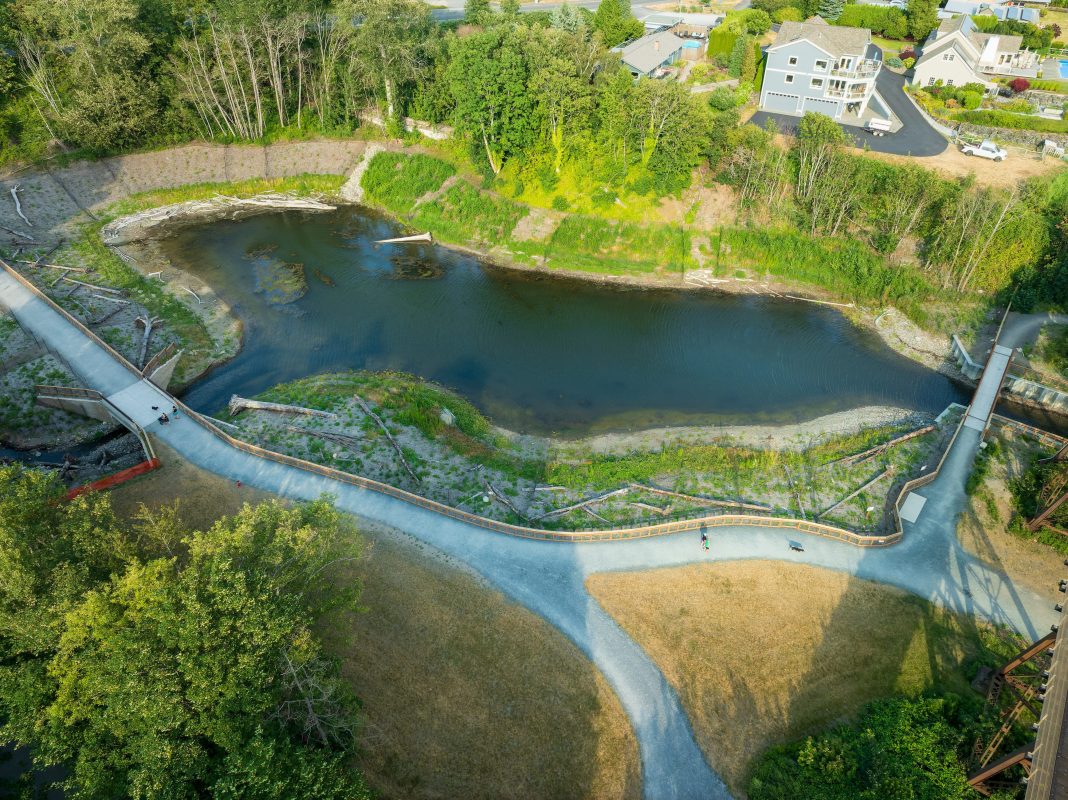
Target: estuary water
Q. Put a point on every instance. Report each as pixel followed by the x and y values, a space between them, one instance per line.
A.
pixel 536 353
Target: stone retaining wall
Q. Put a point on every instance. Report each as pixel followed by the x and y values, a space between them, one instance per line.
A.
pixel 52 196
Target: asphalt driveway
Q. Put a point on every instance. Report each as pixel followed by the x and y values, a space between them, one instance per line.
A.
pixel 916 138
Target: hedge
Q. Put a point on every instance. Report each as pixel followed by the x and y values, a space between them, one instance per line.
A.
pixel 1004 119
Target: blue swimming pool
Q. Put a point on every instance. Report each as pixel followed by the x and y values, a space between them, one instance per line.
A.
pixel 1064 68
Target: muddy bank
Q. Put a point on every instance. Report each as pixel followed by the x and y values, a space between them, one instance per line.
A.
pixel 797 436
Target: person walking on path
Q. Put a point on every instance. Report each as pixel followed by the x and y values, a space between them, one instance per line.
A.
pixel 704 540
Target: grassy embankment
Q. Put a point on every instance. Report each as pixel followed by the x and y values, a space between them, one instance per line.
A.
pixel 464 694
pixel 467 216
pixel 763 653
pixel 797 478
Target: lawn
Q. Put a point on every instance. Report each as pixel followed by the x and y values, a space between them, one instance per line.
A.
pixel 764 652
pixel 464 693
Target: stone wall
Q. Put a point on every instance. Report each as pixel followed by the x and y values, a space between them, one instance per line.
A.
pixel 51 197
pixel 1032 139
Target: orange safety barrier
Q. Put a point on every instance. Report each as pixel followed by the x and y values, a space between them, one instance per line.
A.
pixel 114 480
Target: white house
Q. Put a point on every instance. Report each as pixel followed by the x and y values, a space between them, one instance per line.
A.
pixel 957 53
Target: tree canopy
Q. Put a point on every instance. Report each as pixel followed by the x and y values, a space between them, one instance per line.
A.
pixel 154 662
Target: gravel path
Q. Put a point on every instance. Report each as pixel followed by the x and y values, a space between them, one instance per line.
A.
pixel 549 577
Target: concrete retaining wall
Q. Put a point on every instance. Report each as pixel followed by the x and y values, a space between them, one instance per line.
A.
pixel 1020 388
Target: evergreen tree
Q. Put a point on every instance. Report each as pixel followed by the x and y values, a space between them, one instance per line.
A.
pixel 737 58
pixel 923 18
pixel 748 67
pixel 566 17
pixel 831 10
pixel 616 22
pixel 510 8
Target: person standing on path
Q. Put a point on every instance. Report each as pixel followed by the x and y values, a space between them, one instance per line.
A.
pixel 704 540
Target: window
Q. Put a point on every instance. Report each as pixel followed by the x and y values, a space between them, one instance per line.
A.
pixel 793 61
pixel 817 83
pixel 821 66
pixel 947 56
pixel 949 82
pixel 930 81
pixel 789 78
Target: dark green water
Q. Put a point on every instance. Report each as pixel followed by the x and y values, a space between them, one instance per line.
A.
pixel 536 354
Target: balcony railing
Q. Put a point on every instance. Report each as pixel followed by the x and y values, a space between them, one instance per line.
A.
pixel 848 94
pixel 866 68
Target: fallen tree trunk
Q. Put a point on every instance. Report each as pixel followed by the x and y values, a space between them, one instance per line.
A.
pixel 848 497
pixel 18 205
pixel 702 500
pixel 647 507
pixel 92 286
pixel 400 453
pixel 499 496
pixel 239 404
pixel 857 458
pixel 148 323
pixel 337 438
pixel 583 503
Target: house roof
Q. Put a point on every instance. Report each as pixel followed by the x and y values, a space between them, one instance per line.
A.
pixel 837 40
pixel 668 19
pixel 649 52
pixel 964 25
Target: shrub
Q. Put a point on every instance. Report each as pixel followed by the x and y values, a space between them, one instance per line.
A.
pixel 907 53
pixel 788 14
pixel 397 180
pixel 721 42
pixel 1018 106
pixel 560 203
pixel 895 62
pixel 971 100
pixel 1019 85
pixel 888 22
pixel 722 99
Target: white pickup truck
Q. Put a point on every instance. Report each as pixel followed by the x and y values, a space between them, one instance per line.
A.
pixel 985 150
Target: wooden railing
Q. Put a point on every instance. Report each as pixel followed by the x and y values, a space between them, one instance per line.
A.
pixel 610 534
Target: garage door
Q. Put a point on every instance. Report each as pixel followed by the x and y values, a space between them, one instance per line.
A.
pixel 828 107
pixel 783 103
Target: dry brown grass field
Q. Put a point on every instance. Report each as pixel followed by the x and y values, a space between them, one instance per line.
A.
pixel 464 694
pixel 763 652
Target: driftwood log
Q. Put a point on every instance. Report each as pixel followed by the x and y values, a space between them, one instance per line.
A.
pixel 871 452
pixel 597 498
pixel 702 500
pixel 239 404
pixel 337 438
pixel 378 420
pixel 106 289
pixel 18 205
pixel 499 496
pixel 148 323
pixel 851 495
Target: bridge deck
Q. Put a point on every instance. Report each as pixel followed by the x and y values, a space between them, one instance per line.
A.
pixel 986 396
pixel 1049 767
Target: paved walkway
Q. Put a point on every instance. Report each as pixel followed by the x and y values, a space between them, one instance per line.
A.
pixel 548 577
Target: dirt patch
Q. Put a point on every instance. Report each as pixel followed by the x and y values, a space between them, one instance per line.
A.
pixel 764 653
pixel 983 528
pixel 464 693
pixel 1019 166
